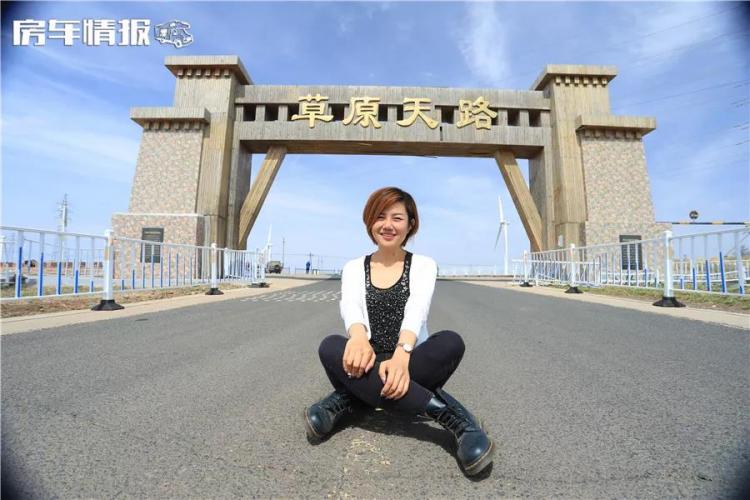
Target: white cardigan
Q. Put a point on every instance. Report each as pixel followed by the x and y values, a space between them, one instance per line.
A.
pixel 422 276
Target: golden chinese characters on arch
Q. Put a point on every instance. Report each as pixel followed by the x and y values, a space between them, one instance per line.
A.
pixel 364 111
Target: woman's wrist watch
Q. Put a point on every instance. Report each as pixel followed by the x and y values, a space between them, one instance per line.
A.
pixel 406 346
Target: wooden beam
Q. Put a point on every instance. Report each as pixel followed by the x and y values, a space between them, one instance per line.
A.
pixel 521 195
pixel 257 195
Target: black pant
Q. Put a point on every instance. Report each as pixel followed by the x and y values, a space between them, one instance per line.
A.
pixel 431 365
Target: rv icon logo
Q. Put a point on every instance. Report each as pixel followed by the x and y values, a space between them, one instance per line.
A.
pixel 173 32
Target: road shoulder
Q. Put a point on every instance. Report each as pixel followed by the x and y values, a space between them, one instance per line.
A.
pixel 21 324
pixel 725 318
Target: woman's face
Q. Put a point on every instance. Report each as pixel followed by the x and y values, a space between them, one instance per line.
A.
pixel 391 227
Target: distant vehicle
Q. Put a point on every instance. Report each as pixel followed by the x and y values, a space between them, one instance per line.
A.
pixel 9 279
pixel 274 266
pixel 174 32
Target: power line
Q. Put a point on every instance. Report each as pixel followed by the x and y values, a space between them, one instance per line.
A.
pixel 706 73
pixel 660 174
pixel 692 103
pixel 679 141
pixel 660 55
pixel 627 42
pixel 721 85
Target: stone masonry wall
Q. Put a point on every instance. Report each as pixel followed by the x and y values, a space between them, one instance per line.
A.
pixel 618 193
pixel 177 229
pixel 166 176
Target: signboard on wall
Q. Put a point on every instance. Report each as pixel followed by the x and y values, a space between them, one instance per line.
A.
pixel 152 251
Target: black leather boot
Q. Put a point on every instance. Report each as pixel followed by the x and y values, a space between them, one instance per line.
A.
pixel 474 449
pixel 321 418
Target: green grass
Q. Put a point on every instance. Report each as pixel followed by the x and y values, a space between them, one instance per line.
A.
pixel 702 300
pixel 33 290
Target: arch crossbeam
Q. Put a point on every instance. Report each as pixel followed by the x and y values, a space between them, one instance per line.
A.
pixel 522 199
pixel 193 173
pixel 257 195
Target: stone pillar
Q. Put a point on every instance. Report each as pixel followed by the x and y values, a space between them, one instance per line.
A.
pixel 239 186
pixel 618 191
pixel 167 171
pixel 540 185
pixel 212 82
pixel 573 90
pixel 184 180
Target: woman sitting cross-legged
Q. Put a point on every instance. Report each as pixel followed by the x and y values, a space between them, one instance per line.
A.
pixel 388 360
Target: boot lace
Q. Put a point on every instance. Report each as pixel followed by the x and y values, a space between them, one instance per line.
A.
pixel 337 403
pixel 454 420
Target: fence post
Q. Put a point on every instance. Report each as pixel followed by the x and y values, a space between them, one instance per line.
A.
pixel 668 299
pixel 108 303
pixel 526 283
pixel 5 272
pixel 573 286
pixel 261 259
pixel 739 266
pixel 264 263
pixel 214 290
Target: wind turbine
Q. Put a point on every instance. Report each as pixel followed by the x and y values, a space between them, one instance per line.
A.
pixel 503 226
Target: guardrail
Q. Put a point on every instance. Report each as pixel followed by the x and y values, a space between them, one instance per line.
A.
pixel 449 270
pixel 36 263
pixel 711 262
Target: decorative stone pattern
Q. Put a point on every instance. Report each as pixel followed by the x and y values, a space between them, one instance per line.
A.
pixel 177 229
pixel 612 134
pixel 609 232
pixel 618 192
pixel 583 81
pixel 167 158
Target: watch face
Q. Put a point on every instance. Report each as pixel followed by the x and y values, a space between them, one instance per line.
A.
pixel 408 347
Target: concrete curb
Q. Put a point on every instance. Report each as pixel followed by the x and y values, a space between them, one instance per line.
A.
pixel 63 318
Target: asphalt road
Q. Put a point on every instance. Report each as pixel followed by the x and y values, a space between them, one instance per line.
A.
pixel 583 401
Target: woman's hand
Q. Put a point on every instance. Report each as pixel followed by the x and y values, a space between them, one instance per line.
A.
pixel 359 356
pixel 394 373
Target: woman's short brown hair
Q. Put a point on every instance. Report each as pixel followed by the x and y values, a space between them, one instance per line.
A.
pixel 381 200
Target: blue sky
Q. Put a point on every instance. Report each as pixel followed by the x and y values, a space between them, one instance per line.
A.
pixel 65 125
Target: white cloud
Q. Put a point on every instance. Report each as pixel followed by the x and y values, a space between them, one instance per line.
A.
pixel 44 125
pixel 668 36
pixel 112 70
pixel 345 22
pixel 484 45
pixel 670 26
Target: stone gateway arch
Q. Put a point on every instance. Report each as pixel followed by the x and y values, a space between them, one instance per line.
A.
pixel 588 182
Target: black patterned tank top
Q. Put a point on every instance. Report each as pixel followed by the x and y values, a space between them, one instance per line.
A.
pixel 385 308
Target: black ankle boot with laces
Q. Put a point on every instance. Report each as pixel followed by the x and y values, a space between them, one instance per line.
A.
pixel 474 449
pixel 321 418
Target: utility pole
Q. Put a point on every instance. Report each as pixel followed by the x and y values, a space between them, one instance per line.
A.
pixel 62 211
pixel 283 252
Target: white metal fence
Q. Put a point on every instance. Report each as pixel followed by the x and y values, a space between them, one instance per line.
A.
pixel 39 263
pixel 308 263
pixel 450 270
pixel 710 262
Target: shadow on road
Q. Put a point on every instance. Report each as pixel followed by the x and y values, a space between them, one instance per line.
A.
pixel 382 422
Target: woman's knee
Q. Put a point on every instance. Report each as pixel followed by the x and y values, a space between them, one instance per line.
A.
pixel 332 347
pixel 454 342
